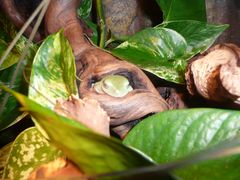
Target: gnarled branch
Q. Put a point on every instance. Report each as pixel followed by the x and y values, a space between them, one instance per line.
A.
pixel 215 75
pixel 93 64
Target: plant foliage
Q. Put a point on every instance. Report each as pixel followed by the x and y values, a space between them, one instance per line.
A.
pixel 173 135
pixel 92 152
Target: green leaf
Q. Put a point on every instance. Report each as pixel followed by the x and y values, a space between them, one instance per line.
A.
pixel 28 151
pixel 4 153
pixel 7 33
pixel 85 9
pixel 183 10
pixel 198 35
pixel 172 135
pixel 92 152
pixel 8 30
pixel 53 71
pixel 84 12
pixel 93 27
pixel 12 57
pixel 10 111
pixel 157 50
pixel 166 49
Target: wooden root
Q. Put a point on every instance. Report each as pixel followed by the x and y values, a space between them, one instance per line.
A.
pixel 81 110
pixel 93 64
pixel 215 75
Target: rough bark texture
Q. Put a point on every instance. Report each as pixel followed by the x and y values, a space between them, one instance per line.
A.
pixel 215 75
pixel 225 12
pixel 124 17
pixel 127 17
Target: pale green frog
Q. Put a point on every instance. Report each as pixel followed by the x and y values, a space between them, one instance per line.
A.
pixel 113 85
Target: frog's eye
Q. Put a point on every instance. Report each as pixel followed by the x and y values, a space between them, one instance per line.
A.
pixel 98 87
pixel 113 85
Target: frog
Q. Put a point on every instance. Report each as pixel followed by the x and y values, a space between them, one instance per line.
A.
pixel 113 85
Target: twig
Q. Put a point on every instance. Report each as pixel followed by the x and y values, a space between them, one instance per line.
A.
pixel 43 5
pixel 20 33
pixel 102 23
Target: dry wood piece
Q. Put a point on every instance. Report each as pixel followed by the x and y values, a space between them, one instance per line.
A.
pixel 94 64
pixel 175 99
pixel 57 169
pixel 95 67
pixel 125 17
pixel 86 111
pixel 123 129
pixel 215 75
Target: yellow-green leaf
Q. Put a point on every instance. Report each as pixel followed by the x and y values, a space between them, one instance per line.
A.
pixel 92 152
pixel 53 71
pixel 28 151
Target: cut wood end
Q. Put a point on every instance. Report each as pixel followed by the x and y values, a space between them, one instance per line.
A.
pixel 216 74
pixel 87 111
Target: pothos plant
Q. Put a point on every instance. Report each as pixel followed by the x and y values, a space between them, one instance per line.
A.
pixel 158 146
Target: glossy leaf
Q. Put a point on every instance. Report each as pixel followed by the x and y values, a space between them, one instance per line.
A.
pixel 183 9
pixel 7 33
pixel 28 151
pixel 92 152
pixel 172 135
pixel 85 9
pixel 53 71
pixel 84 12
pixel 10 110
pixel 12 57
pixel 93 27
pixel 157 50
pixel 198 35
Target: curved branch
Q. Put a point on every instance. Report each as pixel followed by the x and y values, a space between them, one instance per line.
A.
pixel 215 75
pixel 93 64
pixel 62 14
pixel 144 98
pixel 9 8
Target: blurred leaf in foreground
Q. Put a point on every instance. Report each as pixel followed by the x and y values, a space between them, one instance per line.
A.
pixel 93 153
pixel 172 135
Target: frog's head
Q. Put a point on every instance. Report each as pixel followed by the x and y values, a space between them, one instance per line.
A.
pixel 113 85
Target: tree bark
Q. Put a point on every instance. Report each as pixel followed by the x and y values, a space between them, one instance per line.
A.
pixel 225 12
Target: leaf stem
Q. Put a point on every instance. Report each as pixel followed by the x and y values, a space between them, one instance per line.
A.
pixel 101 23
